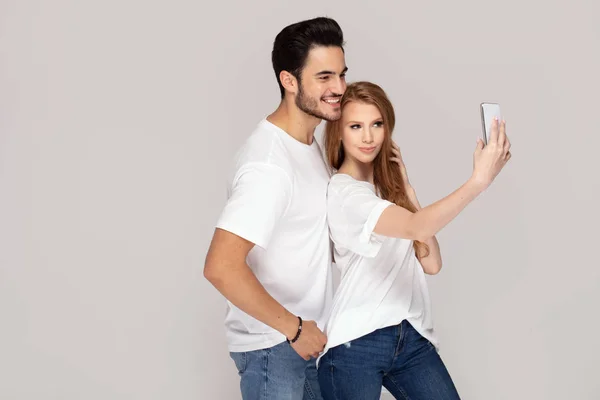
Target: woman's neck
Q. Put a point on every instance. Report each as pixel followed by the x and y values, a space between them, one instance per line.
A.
pixel 357 170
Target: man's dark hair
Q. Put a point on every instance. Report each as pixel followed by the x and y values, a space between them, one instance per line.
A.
pixel 293 43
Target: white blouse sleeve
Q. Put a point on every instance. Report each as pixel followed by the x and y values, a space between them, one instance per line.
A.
pixel 353 211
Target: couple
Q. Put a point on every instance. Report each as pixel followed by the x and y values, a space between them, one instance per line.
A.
pixel 271 254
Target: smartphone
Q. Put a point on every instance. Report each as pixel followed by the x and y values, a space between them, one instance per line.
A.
pixel 488 112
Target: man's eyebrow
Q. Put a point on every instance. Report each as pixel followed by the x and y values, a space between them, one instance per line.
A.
pixel 322 73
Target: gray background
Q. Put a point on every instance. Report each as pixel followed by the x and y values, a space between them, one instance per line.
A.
pixel 119 119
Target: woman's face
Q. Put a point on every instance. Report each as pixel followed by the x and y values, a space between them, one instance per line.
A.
pixel 362 131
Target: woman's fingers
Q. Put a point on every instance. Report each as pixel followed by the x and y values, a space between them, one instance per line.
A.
pixel 494 131
pixel 507 145
pixel 501 133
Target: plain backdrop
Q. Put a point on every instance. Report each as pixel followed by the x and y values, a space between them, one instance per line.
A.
pixel 119 121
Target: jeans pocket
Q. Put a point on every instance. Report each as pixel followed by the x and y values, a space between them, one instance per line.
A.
pixel 240 360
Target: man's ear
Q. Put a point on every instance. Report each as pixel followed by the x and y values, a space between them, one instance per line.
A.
pixel 289 82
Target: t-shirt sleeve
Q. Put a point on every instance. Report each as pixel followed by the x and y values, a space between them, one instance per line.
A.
pixel 258 198
pixel 353 213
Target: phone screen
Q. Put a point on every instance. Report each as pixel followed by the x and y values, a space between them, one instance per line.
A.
pixel 488 112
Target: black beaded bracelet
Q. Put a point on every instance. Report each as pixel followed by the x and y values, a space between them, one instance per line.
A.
pixel 297 333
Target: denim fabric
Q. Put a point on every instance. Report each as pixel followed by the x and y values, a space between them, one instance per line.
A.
pixel 276 373
pixel 396 357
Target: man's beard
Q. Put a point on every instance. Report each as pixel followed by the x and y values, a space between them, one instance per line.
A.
pixel 311 107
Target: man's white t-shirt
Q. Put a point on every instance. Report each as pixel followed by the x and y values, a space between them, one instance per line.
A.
pixel 382 281
pixel 277 199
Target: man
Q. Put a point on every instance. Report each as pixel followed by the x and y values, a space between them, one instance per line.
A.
pixel 270 254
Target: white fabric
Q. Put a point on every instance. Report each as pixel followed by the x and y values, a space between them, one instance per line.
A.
pixel 382 281
pixel 277 200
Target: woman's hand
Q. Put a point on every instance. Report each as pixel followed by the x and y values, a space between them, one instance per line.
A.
pixel 488 161
pixel 397 158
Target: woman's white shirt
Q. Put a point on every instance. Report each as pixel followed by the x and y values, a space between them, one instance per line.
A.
pixel 382 281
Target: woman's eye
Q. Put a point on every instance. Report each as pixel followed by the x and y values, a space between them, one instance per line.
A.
pixel 378 124
pixel 355 126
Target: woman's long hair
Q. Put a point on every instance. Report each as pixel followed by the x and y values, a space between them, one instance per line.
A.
pixel 386 174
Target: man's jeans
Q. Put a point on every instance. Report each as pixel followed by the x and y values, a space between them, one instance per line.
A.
pixel 397 357
pixel 276 373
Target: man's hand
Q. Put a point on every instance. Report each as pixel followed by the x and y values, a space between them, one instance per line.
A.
pixel 311 341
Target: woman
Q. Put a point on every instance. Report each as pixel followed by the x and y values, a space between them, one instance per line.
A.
pixel 380 331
